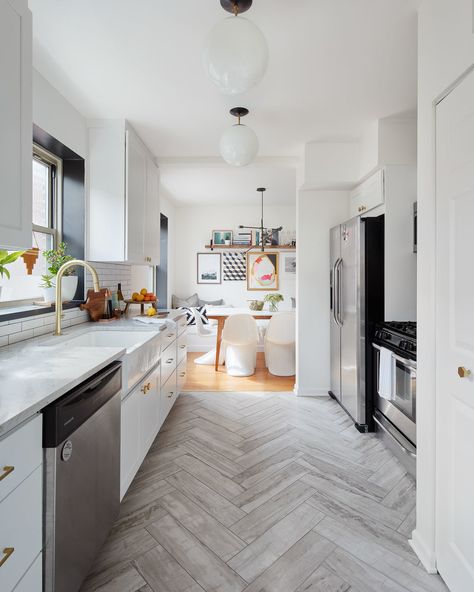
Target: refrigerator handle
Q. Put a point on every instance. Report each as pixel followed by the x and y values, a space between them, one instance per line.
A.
pixel 338 312
pixel 335 292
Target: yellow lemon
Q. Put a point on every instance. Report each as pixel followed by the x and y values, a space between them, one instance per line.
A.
pixel 151 312
pixel 144 291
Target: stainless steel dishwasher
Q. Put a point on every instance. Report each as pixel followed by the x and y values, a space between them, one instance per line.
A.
pixel 81 441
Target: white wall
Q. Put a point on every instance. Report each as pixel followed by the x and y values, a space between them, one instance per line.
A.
pixel 194 226
pixel 317 213
pixel 53 114
pixel 446 50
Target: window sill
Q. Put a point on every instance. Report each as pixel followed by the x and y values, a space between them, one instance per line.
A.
pixel 31 310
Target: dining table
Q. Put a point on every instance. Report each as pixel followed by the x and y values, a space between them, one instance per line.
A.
pixel 222 313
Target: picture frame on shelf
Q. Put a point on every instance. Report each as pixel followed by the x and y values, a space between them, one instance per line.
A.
pixel 262 271
pixel 222 237
pixel 209 268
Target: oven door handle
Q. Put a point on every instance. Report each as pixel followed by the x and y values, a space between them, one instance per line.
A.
pixel 410 363
pixel 410 453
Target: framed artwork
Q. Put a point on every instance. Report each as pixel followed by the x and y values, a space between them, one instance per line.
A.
pixel 234 266
pixel 222 237
pixel 209 268
pixel 262 271
pixel 290 264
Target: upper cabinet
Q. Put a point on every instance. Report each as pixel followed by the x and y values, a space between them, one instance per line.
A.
pixel 368 195
pixel 16 138
pixel 123 211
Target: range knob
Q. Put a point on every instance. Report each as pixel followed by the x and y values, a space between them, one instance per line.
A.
pixel 407 345
pixel 381 334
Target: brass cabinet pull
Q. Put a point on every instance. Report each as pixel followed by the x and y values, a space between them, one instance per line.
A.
pixel 182 346
pixel 171 393
pixel 7 552
pixel 463 372
pixel 170 360
pixel 170 335
pixel 6 471
pixel 183 374
pixel 146 387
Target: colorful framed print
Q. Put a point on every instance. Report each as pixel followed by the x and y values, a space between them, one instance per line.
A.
pixel 222 237
pixel 262 271
pixel 209 269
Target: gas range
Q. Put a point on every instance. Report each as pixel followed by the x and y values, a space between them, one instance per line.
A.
pixel 398 336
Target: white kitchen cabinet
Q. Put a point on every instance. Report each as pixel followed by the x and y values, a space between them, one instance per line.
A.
pixel 130 441
pixel 150 409
pixel 32 581
pixel 368 195
pixel 16 139
pixel 123 210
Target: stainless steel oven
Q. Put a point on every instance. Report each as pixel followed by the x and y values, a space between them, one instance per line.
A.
pixel 396 416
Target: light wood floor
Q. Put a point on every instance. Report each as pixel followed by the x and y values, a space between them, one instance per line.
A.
pixel 205 378
pixel 263 492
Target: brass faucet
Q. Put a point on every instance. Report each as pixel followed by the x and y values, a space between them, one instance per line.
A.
pixel 59 276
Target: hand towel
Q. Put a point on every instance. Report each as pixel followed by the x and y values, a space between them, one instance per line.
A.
pixel 385 374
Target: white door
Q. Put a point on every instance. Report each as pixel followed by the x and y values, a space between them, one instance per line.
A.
pixel 455 336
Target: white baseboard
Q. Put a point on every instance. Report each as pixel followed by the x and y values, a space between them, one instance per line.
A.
pixel 205 348
pixel 426 555
pixel 304 392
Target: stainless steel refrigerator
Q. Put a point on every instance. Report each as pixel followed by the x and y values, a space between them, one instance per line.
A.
pixel 357 303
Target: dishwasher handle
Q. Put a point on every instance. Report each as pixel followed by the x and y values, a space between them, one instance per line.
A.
pixel 65 415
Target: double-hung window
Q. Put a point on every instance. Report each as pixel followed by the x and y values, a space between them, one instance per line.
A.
pixel 25 285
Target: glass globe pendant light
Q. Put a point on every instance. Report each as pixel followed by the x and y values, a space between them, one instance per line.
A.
pixel 239 143
pixel 236 53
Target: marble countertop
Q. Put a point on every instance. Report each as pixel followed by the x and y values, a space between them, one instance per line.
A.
pixel 32 375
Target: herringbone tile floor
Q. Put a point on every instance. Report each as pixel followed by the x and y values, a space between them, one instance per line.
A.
pixel 263 492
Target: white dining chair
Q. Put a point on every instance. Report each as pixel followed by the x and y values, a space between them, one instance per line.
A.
pixel 279 344
pixel 207 359
pixel 239 341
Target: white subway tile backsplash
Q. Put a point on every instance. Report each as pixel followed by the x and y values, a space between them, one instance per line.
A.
pixel 3 340
pixel 9 329
pixel 31 324
pixel 16 337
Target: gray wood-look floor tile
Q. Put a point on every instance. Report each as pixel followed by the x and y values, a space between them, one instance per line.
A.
pixel 265 492
pixel 202 564
pixel 323 579
pixel 265 489
pixel 265 516
pixel 205 527
pixel 163 572
pixel 215 504
pixel 294 567
pixel 266 549
pixel 210 476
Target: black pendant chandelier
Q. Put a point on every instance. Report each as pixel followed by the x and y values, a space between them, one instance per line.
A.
pixel 266 234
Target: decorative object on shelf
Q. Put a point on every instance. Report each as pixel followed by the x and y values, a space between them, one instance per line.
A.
pixel 220 237
pixel 273 300
pixel 262 271
pixel 55 259
pixel 265 236
pixel 256 304
pixel 236 52
pixel 239 143
pixel 209 268
pixel 290 264
pixel 48 287
pixel 30 257
pixel 234 266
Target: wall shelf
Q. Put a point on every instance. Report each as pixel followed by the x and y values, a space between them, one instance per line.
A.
pixel 253 247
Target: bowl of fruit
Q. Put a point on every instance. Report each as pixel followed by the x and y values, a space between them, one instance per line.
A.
pixel 143 297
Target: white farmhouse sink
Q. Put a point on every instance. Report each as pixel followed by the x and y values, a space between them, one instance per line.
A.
pixel 143 349
pixel 127 339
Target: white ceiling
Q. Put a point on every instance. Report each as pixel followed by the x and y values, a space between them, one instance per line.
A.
pixel 215 183
pixel 334 65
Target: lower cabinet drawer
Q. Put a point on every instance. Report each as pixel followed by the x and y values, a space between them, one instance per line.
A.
pixel 182 323
pixel 181 375
pixel 169 394
pixel 182 347
pixel 20 453
pixel 21 529
pixel 32 581
pixel 168 363
pixel 167 338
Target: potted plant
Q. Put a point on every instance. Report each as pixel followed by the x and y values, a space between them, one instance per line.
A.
pixel 5 259
pixel 274 299
pixel 48 287
pixel 56 258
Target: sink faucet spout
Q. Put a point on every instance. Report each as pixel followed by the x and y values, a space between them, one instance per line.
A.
pixel 59 276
